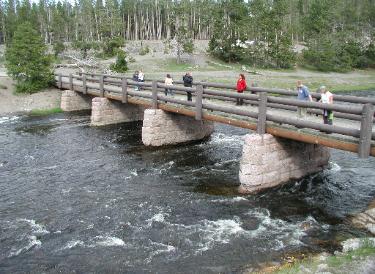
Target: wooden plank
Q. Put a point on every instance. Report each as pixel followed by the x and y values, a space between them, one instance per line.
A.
pixel 198 102
pixel 154 94
pixel 84 85
pixel 59 84
pixel 262 113
pixel 71 81
pixel 124 87
pixel 101 85
pixel 364 145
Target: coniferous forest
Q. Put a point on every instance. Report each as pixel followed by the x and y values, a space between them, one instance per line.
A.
pixel 337 35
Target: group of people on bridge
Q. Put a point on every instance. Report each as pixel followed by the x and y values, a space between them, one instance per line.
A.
pixel 303 92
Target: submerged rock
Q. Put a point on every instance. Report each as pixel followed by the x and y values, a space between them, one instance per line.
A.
pixel 366 219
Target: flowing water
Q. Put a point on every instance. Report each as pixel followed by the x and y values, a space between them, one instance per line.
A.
pixel 81 199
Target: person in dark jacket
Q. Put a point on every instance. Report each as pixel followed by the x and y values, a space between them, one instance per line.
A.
pixel 135 79
pixel 241 86
pixel 188 82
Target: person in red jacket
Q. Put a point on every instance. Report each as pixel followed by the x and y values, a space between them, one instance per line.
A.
pixel 241 86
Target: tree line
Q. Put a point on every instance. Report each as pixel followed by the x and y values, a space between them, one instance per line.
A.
pixel 336 34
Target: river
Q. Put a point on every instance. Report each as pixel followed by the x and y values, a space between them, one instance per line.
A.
pixel 81 199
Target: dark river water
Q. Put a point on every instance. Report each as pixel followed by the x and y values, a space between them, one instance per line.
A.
pixel 81 199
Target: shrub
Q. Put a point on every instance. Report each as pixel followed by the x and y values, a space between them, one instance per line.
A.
pixel 120 65
pixel 26 60
pixel 144 50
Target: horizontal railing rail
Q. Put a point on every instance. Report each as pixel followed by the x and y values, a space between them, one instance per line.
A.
pixel 337 97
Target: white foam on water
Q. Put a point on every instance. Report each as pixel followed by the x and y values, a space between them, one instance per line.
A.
pixel 108 241
pixel 65 191
pixel 209 232
pixel 217 232
pixel 221 138
pixel 72 244
pixel 29 157
pixel 134 172
pixel 225 162
pixel 161 249
pixel 230 200
pixel 33 242
pixel 285 233
pixel 36 228
pixel 159 217
pixel 334 167
pixel 6 119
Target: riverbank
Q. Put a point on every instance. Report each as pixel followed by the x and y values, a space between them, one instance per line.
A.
pixel 11 103
pixel 357 256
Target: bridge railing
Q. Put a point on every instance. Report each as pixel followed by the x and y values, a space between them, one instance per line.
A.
pixel 361 109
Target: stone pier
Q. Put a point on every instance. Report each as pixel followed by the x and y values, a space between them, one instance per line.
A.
pixel 106 112
pixel 73 101
pixel 163 128
pixel 268 161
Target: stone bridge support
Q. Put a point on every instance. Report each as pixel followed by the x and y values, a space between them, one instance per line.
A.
pixel 106 112
pixel 163 128
pixel 74 101
pixel 268 161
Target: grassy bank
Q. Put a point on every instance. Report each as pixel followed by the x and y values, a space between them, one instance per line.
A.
pixel 43 112
pixel 348 262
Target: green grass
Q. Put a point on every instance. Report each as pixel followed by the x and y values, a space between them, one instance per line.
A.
pixel 44 112
pixel 334 261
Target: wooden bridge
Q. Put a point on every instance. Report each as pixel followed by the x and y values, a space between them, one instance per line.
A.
pixel 265 110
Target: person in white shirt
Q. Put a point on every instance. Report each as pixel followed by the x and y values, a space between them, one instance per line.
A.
pixel 168 82
pixel 326 98
pixel 141 77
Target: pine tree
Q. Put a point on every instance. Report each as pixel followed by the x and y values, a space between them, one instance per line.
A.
pixel 26 60
pixel 121 65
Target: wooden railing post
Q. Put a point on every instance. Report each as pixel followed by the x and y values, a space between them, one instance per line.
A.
pixel 198 102
pixel 262 112
pixel 101 85
pixel 70 81
pixel 124 86
pixel 60 81
pixel 154 94
pixel 364 145
pixel 84 84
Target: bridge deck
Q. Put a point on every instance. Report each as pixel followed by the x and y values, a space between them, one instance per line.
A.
pixel 307 135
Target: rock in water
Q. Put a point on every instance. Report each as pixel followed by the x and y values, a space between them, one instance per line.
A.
pixel 366 220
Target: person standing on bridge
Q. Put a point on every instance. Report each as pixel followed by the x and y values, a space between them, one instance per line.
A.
pixel 141 77
pixel 303 95
pixel 241 86
pixel 188 82
pixel 326 98
pixel 168 82
pixel 135 79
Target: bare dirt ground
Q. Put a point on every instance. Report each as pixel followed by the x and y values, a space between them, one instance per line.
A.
pixel 156 64
pixel 11 103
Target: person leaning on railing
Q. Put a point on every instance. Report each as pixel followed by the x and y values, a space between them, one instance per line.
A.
pixel 303 95
pixel 188 82
pixel 168 82
pixel 135 79
pixel 326 98
pixel 241 86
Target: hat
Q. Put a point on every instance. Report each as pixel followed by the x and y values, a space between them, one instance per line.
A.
pixel 322 88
